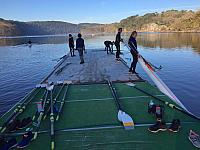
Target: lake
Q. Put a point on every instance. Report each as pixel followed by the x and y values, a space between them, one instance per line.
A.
pixel 22 67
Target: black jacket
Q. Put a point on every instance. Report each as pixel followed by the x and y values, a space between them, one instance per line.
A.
pixel 118 38
pixel 80 43
pixel 71 42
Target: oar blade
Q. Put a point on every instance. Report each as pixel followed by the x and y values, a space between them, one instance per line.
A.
pixel 126 120
pixel 50 88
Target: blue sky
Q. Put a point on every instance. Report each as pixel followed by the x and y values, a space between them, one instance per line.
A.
pixel 77 11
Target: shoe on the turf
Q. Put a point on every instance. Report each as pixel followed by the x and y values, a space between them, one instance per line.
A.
pixel 25 122
pixel 175 126
pixel 158 126
pixel 12 143
pixel 26 139
pixel 3 143
pixel 194 138
pixel 13 125
pixel 6 145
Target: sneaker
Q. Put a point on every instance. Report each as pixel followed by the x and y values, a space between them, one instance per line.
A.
pixel 175 126
pixel 133 72
pixel 12 143
pixel 3 143
pixel 26 139
pixel 130 71
pixel 13 125
pixel 194 139
pixel 158 126
pixel 25 122
pixel 6 145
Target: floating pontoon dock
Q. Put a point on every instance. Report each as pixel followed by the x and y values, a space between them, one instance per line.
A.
pixel 88 118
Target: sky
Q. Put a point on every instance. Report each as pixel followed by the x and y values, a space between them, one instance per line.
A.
pixel 81 11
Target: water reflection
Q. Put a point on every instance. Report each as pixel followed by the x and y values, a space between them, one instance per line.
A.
pixel 51 39
pixel 170 40
pixel 152 40
pixel 35 40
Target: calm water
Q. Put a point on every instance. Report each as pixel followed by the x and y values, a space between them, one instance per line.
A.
pixel 21 67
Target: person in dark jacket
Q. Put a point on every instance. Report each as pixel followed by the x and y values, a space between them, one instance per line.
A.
pixel 80 46
pixel 133 45
pixel 109 46
pixel 71 45
pixel 118 39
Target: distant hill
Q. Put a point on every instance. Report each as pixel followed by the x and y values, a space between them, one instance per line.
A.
pixel 171 20
pixel 168 21
pixel 16 28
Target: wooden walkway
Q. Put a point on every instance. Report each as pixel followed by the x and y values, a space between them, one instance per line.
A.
pixel 98 67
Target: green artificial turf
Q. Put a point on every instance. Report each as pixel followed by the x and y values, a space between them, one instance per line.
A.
pixel 91 106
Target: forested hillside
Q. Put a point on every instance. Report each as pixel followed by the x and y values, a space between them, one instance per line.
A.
pixel 168 21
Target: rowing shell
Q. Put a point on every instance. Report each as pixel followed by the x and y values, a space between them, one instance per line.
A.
pixel 159 83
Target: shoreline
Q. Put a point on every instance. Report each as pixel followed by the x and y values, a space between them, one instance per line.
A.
pixel 91 34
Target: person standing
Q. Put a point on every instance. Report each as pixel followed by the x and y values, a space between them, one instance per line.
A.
pixel 133 45
pixel 71 45
pixel 80 46
pixel 118 39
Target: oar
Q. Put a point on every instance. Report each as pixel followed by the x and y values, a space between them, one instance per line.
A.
pixel 55 99
pixel 122 115
pixel 164 102
pixel 40 104
pixel 52 115
pixel 20 109
pixel 49 88
pixel 61 69
pixel 52 123
pixel 58 59
pixel 41 100
pixel 62 102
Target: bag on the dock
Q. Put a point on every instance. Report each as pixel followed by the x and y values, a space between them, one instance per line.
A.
pixel 157 110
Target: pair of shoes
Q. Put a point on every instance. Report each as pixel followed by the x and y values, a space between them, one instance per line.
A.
pixel 132 72
pixel 17 124
pixel 117 59
pixel 82 62
pixel 161 126
pixel 26 139
pixel 194 138
pixel 6 145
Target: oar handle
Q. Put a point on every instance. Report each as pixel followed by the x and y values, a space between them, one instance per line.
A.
pixel 114 93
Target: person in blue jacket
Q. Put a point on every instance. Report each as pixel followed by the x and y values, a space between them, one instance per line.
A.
pixel 133 45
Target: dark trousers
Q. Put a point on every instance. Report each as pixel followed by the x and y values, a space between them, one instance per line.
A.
pixel 108 48
pixel 118 50
pixel 134 62
pixel 80 50
pixel 71 50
